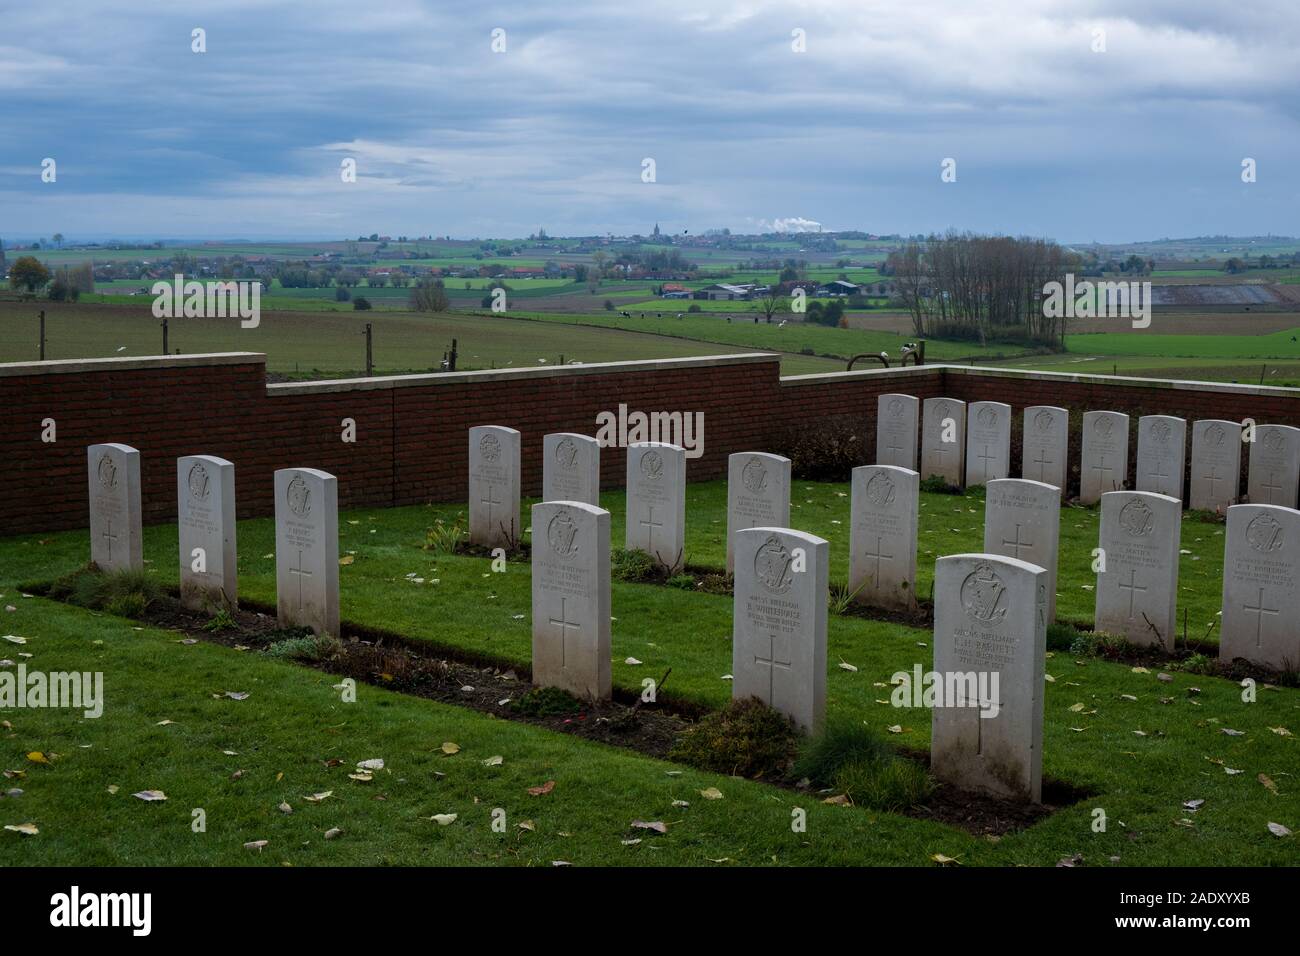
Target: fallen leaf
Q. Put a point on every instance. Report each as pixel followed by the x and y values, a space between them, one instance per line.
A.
pixel 494 761
pixel 1278 830
pixel 284 807
pixel 333 833
pixel 711 793
pixel 150 796
pixel 375 763
pixel 442 819
pixel 237 694
pixel 347 559
pixel 256 845
pixel 544 789
pixel 450 748
pixel 944 860
pixel 845 665
pixel 37 757
pixel 657 825
pixel 1268 783
pixel 29 829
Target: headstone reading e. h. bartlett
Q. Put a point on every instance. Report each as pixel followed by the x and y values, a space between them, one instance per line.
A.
pixel 778 639
pixel 494 486
pixel 896 430
pixel 571 598
pixel 1261 586
pixel 205 510
pixel 115 517
pixel 758 494
pixel 656 502
pixel 571 468
pixel 307 549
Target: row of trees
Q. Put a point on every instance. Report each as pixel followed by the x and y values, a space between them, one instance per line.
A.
pixel 28 274
pixel 963 285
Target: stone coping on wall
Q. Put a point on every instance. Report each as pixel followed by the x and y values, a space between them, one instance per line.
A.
pixel 828 378
pixel 129 363
pixel 481 376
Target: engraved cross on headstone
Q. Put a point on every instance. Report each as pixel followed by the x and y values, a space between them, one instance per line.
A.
pixel 1212 477
pixel 1132 587
pixel 108 536
pixel 489 501
pixel 1159 475
pixel 771 663
pixel 650 524
pixel 1042 461
pixel 1259 611
pixel 565 625
pixel 1017 544
pixel 985 457
pixel 1101 467
pixel 301 574
pixel 879 555
pixel 1271 487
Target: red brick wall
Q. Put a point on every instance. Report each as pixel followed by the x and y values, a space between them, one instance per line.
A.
pixel 411 437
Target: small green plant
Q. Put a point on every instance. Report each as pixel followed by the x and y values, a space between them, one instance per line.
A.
pixel 633 566
pixel 683 582
pixel 1060 637
pixel 443 537
pixel 123 593
pixel 842 597
pixel 547 702
pixel 132 604
pixel 306 647
pixel 746 738
pixel 222 620
pixel 840 742
pixel 1201 664
pixel 938 485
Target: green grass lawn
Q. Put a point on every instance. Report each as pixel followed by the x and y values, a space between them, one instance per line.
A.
pixel 293 721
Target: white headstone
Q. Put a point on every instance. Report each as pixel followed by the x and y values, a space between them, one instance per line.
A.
pixel 307 549
pixel 989 619
pixel 882 536
pixel 571 598
pixel 1138 590
pixel 205 516
pixel 1274 466
pixel 656 502
pixel 1261 589
pixel 1162 454
pixel 571 468
pixel 1103 463
pixel 758 494
pixel 988 442
pixel 779 622
pixel 494 486
pixel 114 475
pixel 1045 445
pixel 943 439
pixel 1216 465
pixel 1022 519
pixel 897 417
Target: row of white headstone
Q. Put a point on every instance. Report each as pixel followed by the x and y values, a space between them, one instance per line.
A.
pixel 972 446
pixel 306 532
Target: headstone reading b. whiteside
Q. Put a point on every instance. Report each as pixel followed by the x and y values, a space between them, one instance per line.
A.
pixel 1216 465
pixel 988 442
pixel 307 549
pixel 758 494
pixel 1103 464
pixel 1138 587
pixel 779 622
pixel 205 518
pixel 1044 445
pixel 115 516
pixel 882 536
pixel 571 598
pixel 943 440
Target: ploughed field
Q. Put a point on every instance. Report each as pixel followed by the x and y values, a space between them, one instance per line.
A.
pixel 1135 746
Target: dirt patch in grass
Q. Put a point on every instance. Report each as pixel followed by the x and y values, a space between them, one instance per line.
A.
pixel 422 669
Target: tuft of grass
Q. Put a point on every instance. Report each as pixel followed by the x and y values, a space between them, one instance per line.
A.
pixel 746 738
pixel 842 597
pixel 682 581
pixel 1201 664
pixel 121 593
pixel 852 759
pixel 633 566
pixel 222 620
pixel 308 647
pixel 444 537
pixel 1061 637
pixel 547 702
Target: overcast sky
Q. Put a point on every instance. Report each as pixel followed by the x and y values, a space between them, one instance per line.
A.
pixel 1144 140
